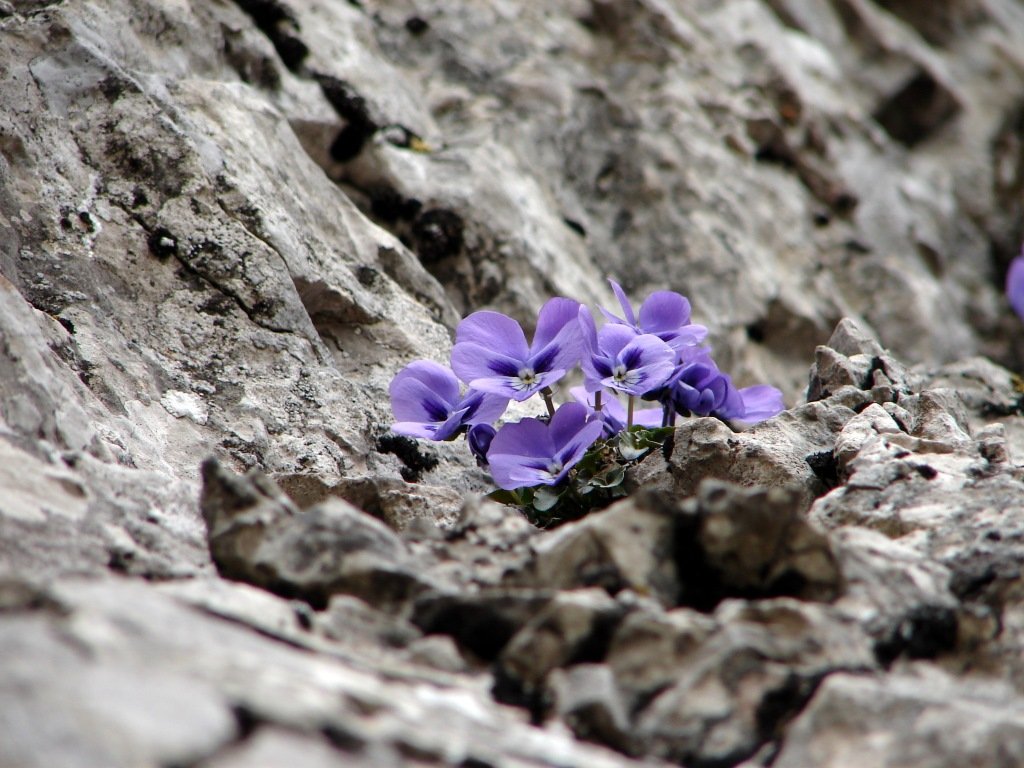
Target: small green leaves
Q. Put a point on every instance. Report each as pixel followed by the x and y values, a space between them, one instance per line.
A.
pixel 637 442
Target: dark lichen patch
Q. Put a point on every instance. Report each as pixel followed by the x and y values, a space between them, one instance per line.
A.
pixel 825 468
pixel 279 24
pixel 924 632
pixel 416 25
pixel 408 452
pixel 354 109
pixel 437 234
pixel 390 207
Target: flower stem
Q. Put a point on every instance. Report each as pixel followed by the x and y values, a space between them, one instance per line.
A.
pixel 597 400
pixel 546 394
pixel 629 413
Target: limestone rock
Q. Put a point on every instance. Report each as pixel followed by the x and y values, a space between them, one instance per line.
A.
pixel 912 719
pixel 257 535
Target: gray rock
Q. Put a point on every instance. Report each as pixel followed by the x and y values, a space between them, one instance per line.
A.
pixel 912 719
pixel 587 699
pixel 257 535
pixel 739 687
pixel 735 542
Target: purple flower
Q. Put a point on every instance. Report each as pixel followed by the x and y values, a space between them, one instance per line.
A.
pixel 620 359
pixel 491 353
pixel 1015 285
pixel 479 438
pixel 699 388
pixel 760 402
pixel 425 399
pixel 613 412
pixel 665 314
pixel 531 452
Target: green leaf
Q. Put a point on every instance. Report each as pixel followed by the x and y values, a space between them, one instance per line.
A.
pixel 610 478
pixel 545 498
pixel 505 497
pixel 631 446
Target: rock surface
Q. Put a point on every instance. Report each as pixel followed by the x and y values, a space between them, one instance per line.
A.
pixel 225 225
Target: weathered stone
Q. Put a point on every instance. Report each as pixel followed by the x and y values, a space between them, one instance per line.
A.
pixel 574 627
pixel 733 542
pixel 775 453
pixel 587 699
pixel 628 546
pixel 922 717
pixel 741 685
pixel 258 536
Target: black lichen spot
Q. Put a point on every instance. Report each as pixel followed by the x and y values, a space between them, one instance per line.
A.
pixel 756 332
pixel 824 467
pixel 279 24
pixel 925 471
pixel 86 219
pixel 162 243
pixel 437 233
pixel 408 452
pixel 367 276
pixel 575 226
pixel 416 25
pixel 915 111
pixel 780 705
pixel 139 198
pixel 924 632
pixel 389 206
pixel 352 107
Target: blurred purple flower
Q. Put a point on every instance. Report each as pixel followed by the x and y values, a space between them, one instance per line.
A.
pixel 491 353
pixel 616 357
pixel 760 402
pixel 426 401
pixel 613 412
pixel 1015 285
pixel 665 314
pixel 699 388
pixel 531 452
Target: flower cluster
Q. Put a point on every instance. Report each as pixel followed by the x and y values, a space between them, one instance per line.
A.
pixel 655 355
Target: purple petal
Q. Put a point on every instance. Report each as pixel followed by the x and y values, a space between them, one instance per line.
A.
pixel 511 471
pixel 627 308
pixel 761 402
pixel 529 437
pixel 569 419
pixel 1015 285
pixel 415 429
pixel 423 391
pixel 664 311
pixel 687 336
pixel 574 450
pixel 563 352
pixel 471 361
pixel 483 407
pixel 494 331
pixel 451 426
pixel 554 316
pixel 479 438
pixel 612 338
pixel 588 330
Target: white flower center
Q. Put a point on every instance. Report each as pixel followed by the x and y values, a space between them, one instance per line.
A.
pixel 527 377
pixel 554 467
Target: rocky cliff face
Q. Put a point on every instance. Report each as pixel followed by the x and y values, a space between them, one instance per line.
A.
pixel 224 226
